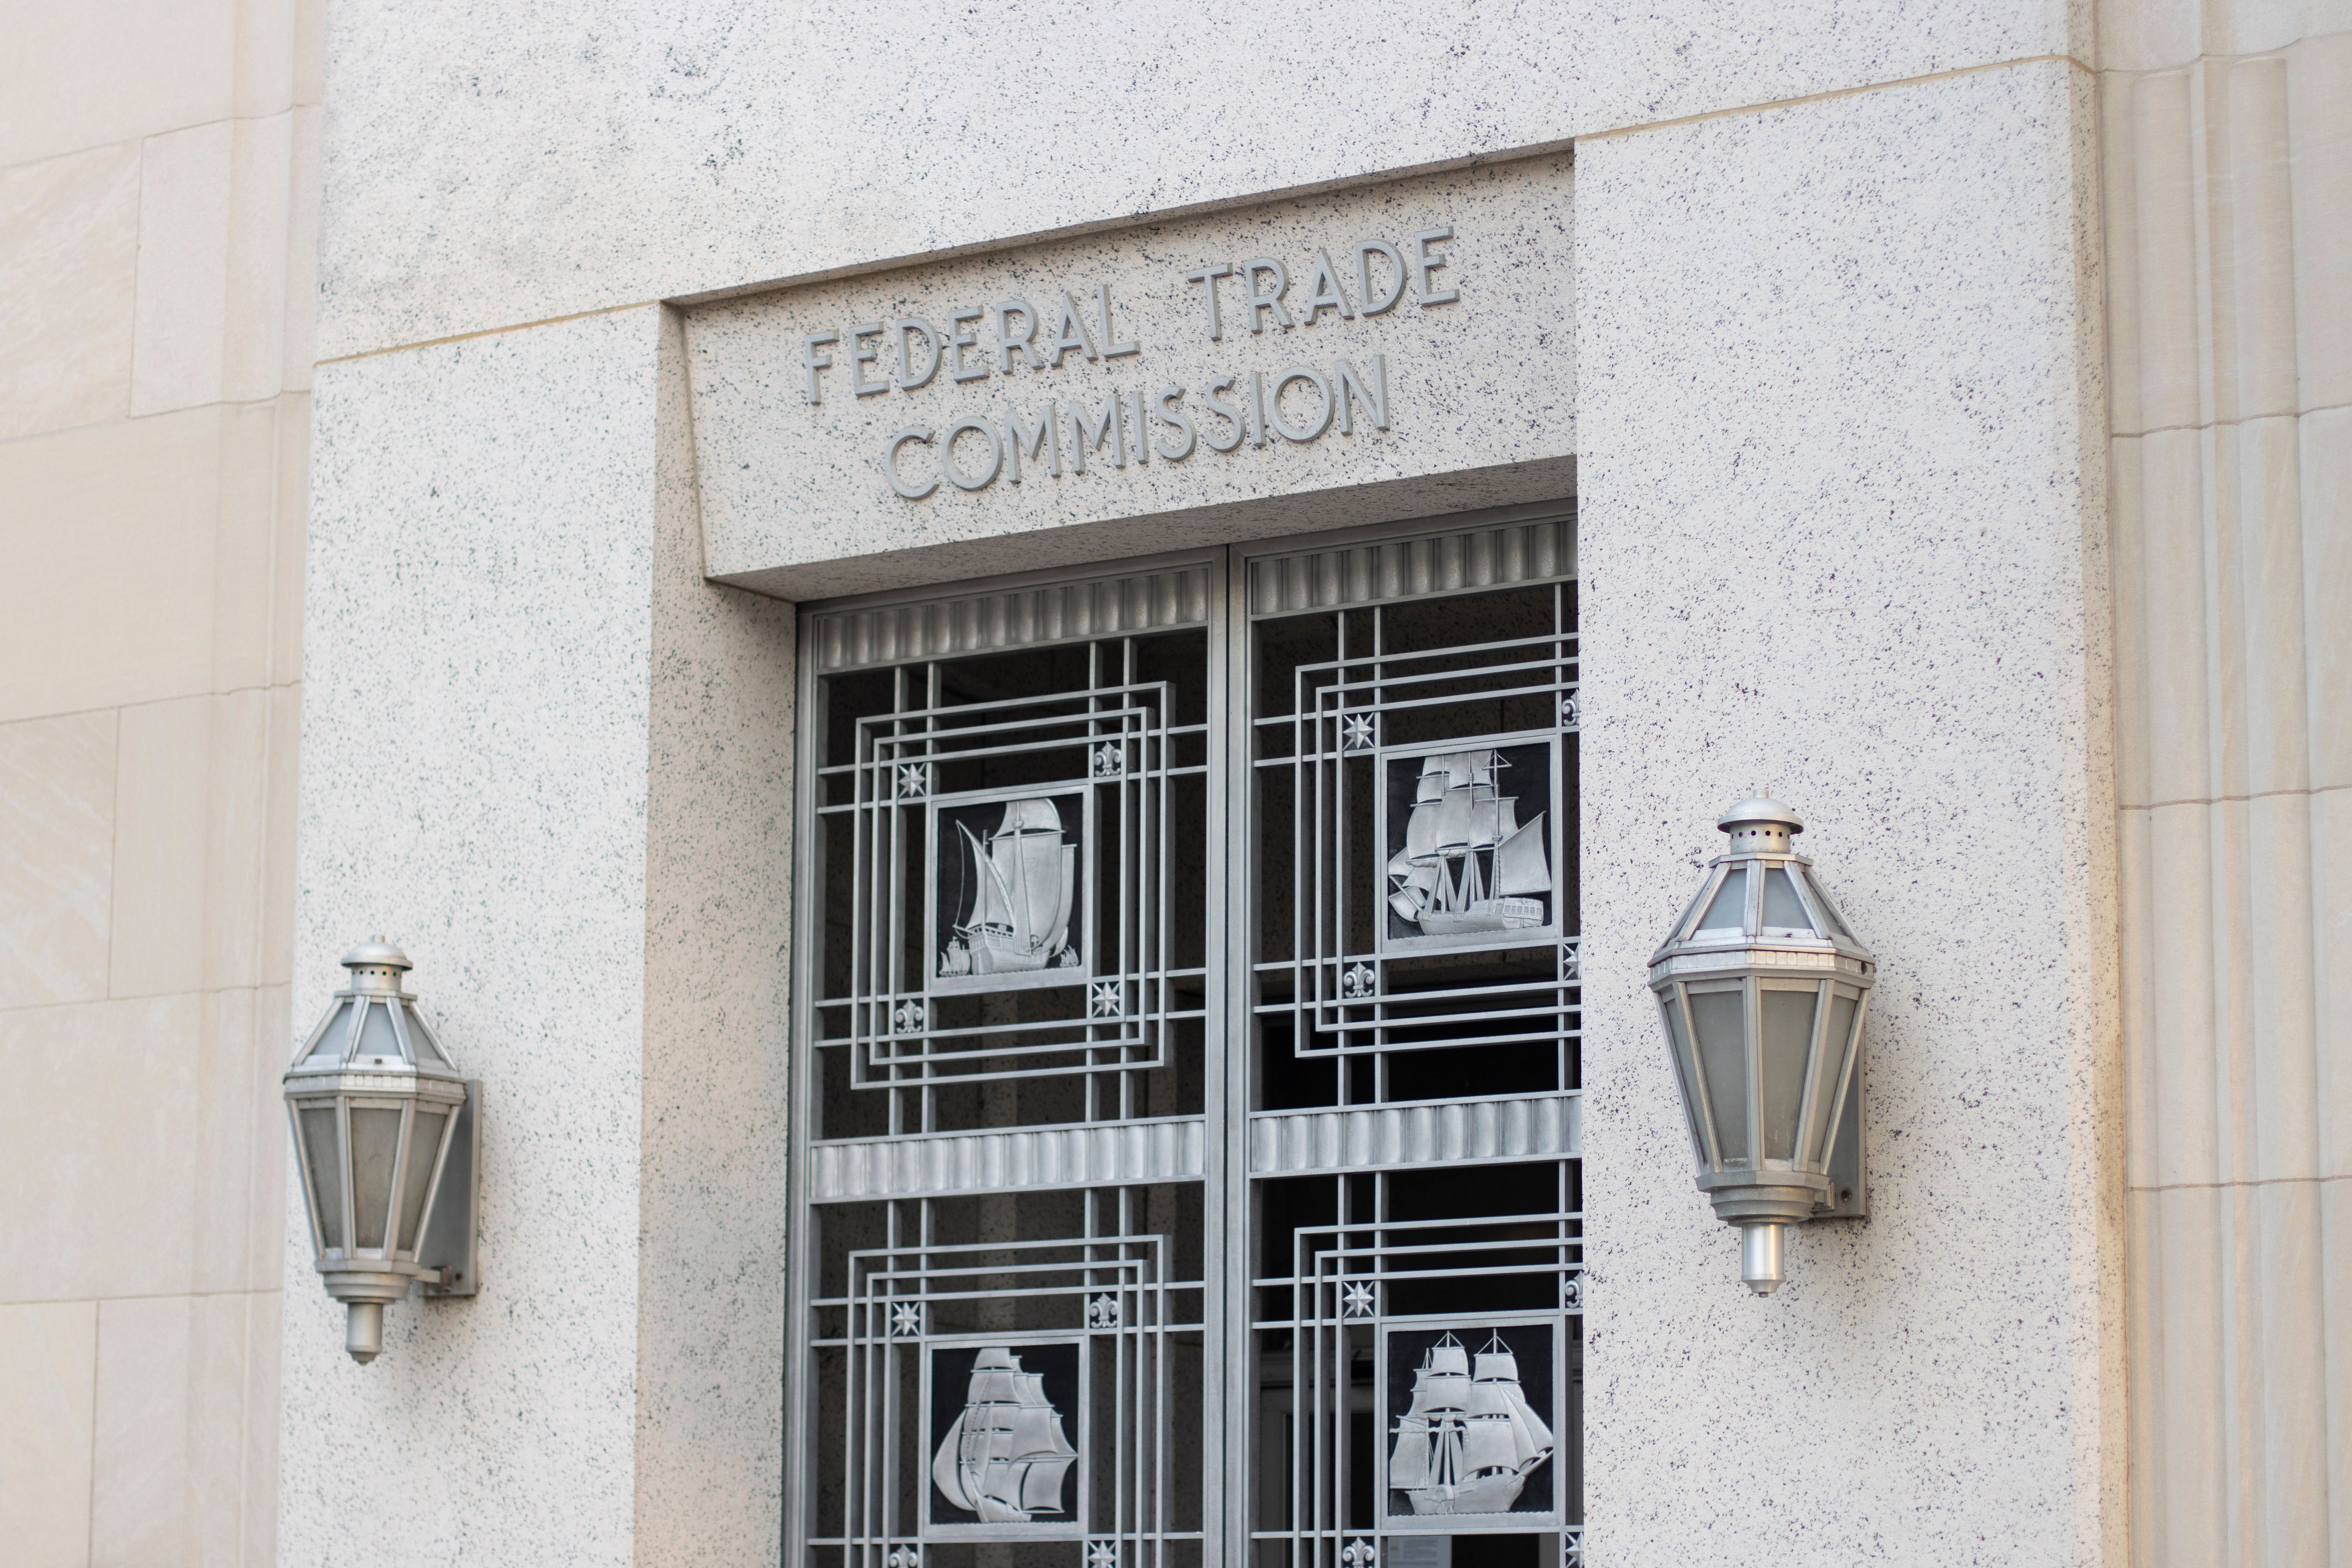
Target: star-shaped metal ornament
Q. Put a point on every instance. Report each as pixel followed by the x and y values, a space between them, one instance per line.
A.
pixel 1358 1302
pixel 1358 732
pixel 914 780
pixel 1104 1000
pixel 906 1318
pixel 1102 1554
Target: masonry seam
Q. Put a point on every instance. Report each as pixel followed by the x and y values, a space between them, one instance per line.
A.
pixel 2228 424
pixel 1835 93
pixel 2220 1186
pixel 2233 799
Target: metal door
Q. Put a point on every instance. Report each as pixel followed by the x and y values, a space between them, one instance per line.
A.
pixel 1144 1035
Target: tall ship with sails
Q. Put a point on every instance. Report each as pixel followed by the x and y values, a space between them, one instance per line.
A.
pixel 1005 1457
pixel 1026 881
pixel 1470 1441
pixel 1468 864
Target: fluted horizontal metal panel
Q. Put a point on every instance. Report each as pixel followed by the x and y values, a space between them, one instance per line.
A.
pixel 1445 563
pixel 1452 1132
pixel 1013 618
pixel 1169 1149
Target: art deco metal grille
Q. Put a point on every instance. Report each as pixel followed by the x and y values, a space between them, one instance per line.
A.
pixel 1186 1012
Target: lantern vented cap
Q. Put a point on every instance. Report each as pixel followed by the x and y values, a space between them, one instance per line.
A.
pixel 1760 825
pixel 376 965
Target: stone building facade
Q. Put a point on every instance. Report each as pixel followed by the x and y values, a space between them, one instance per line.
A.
pixel 438 446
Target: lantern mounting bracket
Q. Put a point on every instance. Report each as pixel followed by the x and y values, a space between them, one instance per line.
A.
pixel 457 1207
pixel 1850 1194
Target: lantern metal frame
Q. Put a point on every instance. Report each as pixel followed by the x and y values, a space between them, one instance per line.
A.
pixel 1767 1178
pixel 372 1054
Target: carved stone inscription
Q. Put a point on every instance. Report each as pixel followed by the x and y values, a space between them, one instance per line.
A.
pixel 1026 336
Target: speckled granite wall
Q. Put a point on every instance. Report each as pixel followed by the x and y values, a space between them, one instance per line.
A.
pixel 1840 489
pixel 1841 540
pixel 545 757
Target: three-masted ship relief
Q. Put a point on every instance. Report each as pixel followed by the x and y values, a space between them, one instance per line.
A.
pixel 1005 1457
pixel 1468 864
pixel 1470 1441
pixel 1020 885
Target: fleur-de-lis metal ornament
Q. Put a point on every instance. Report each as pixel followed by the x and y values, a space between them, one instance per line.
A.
pixel 903 1557
pixel 1110 760
pixel 1571 710
pixel 1572 1293
pixel 1360 1553
pixel 1102 1312
pixel 907 1018
pixel 1359 981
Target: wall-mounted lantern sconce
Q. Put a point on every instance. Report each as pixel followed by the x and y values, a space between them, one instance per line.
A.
pixel 1763 988
pixel 385 1130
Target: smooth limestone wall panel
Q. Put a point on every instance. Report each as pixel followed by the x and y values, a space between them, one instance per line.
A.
pixel 158 223
pixel 2227 182
pixel 579 157
pixel 545 756
pixel 1465 397
pixel 1840 540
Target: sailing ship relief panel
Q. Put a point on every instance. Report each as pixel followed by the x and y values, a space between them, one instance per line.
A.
pixel 1188 1010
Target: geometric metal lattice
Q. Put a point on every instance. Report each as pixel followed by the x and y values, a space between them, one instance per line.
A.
pixel 962 888
pixel 1422 1380
pixel 1414 1002
pixel 1423 839
pixel 1012 1391
pixel 1187 1010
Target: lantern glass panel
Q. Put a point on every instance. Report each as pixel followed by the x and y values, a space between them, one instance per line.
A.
pixel 1730 909
pixel 1721 1020
pixel 1833 1057
pixel 1787 1030
pixel 427 1047
pixel 332 1039
pixel 376 1143
pixel 376 1036
pixel 1782 910
pixel 1836 927
pixel 1672 1007
pixel 424 1144
pixel 323 1151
